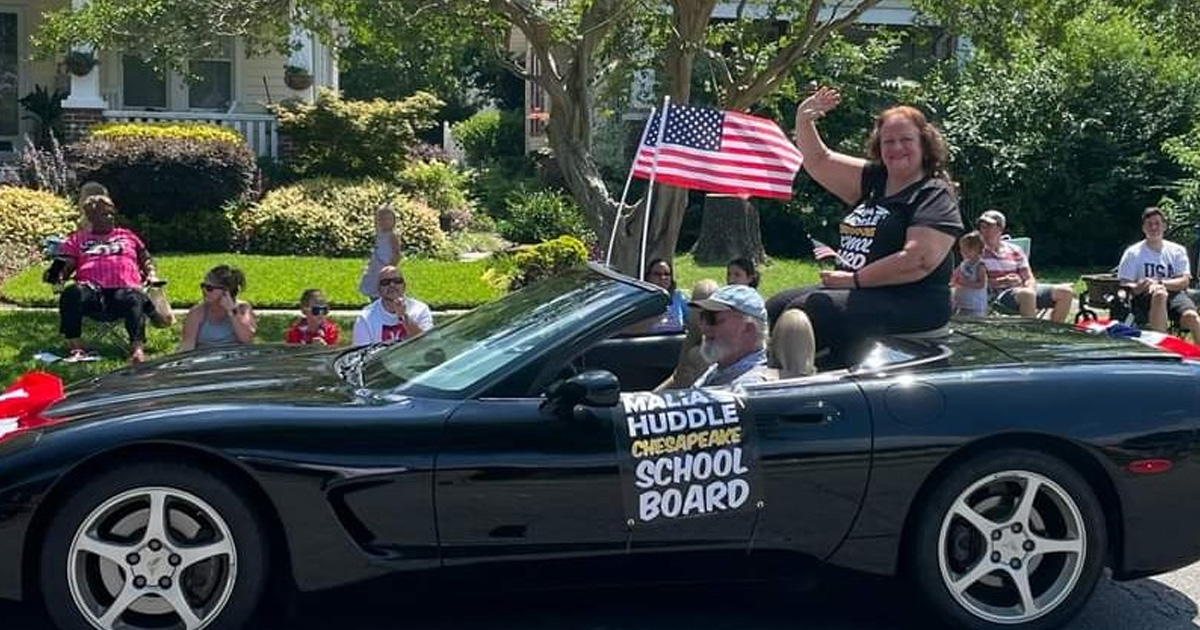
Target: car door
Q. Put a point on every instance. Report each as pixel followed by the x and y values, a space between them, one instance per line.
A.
pixel 513 483
pixel 814 459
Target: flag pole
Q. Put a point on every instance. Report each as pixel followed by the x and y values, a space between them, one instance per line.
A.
pixel 612 239
pixel 662 127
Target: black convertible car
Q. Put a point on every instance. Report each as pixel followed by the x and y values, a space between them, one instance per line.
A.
pixel 998 468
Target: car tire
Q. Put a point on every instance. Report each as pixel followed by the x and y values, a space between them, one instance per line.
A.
pixel 153 545
pixel 1012 539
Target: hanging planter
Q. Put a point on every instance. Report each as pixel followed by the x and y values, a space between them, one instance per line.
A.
pixel 297 78
pixel 80 62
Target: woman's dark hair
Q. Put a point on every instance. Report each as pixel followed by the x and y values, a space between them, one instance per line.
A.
pixel 935 155
pixel 654 263
pixel 746 265
pixel 231 278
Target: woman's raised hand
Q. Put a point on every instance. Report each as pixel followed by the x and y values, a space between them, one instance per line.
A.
pixel 818 104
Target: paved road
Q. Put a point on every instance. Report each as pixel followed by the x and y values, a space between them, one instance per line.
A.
pixel 1167 602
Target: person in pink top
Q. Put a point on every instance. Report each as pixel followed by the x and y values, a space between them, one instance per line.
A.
pixel 109 264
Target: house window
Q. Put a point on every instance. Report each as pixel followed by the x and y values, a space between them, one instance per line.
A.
pixel 143 86
pixel 212 87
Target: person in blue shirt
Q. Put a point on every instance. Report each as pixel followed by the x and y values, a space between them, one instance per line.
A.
pixel 660 272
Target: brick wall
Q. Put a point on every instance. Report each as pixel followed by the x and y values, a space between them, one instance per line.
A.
pixel 77 122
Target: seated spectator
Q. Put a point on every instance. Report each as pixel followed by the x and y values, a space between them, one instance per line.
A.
pixel 1011 284
pixel 1157 272
pixel 393 316
pixel 970 278
pixel 219 319
pixel 741 271
pixel 733 324
pixel 313 327
pixel 660 272
pixel 110 265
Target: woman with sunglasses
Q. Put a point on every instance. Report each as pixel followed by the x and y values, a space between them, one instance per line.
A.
pixel 219 319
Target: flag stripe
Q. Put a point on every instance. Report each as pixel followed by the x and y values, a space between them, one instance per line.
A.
pixel 734 155
pixel 668 157
pixel 742 183
pixel 724 187
pixel 700 159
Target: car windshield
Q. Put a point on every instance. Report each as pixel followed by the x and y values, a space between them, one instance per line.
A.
pixel 467 350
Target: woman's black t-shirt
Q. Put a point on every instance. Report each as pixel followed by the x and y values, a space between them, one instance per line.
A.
pixel 878 226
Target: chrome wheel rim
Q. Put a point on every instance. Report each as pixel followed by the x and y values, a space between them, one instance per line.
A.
pixel 1012 547
pixel 152 557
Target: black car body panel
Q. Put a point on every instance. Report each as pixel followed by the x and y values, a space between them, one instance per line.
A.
pixel 374 461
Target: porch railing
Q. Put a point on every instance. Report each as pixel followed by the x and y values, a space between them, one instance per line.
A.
pixel 260 130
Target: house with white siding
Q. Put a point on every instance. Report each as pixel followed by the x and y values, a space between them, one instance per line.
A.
pixel 233 91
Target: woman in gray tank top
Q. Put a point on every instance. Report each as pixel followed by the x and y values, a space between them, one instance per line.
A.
pixel 219 319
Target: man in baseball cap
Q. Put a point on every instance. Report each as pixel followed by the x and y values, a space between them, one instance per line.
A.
pixel 1011 285
pixel 733 325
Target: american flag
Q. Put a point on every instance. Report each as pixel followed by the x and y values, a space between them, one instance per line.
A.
pixel 721 152
pixel 821 251
pixel 1162 341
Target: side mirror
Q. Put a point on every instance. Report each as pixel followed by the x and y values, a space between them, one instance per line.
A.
pixel 594 388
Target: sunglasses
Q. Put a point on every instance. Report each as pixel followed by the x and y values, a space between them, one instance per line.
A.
pixel 385 282
pixel 322 309
pixel 708 318
pixel 211 287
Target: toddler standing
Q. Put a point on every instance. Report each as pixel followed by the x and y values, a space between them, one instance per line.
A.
pixel 970 278
pixel 385 253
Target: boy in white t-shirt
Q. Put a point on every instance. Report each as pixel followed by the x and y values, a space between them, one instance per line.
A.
pixel 1157 272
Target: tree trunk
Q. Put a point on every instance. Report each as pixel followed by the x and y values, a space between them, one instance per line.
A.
pixel 728 229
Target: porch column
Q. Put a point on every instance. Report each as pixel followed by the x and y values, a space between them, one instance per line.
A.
pixel 85 106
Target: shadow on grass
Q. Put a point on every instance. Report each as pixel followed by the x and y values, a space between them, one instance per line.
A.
pixel 26 333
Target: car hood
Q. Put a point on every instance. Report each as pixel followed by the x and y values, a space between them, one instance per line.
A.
pixel 262 374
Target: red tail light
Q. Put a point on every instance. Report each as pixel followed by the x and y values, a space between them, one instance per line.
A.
pixel 1149 466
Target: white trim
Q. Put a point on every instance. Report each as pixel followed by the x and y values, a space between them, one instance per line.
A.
pixel 887 12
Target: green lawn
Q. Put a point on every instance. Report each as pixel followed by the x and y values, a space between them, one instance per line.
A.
pixel 25 333
pixel 278 281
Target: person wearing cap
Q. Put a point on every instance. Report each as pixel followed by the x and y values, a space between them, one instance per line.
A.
pixel 1011 284
pixel 1157 272
pixel 733 328
pixel 894 260
pixel 393 316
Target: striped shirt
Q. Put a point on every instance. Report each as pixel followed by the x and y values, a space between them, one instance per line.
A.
pixel 109 261
pixel 1006 259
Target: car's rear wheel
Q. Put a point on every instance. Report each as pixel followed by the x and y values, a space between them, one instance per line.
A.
pixel 1009 539
pixel 153 546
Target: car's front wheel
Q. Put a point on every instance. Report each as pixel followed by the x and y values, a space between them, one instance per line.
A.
pixel 153 545
pixel 1009 539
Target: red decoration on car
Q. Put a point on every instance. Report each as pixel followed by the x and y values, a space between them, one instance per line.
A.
pixel 23 402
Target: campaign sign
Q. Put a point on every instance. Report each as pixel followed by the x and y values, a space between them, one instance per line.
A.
pixel 684 454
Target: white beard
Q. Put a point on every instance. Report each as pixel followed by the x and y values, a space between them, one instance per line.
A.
pixel 712 351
